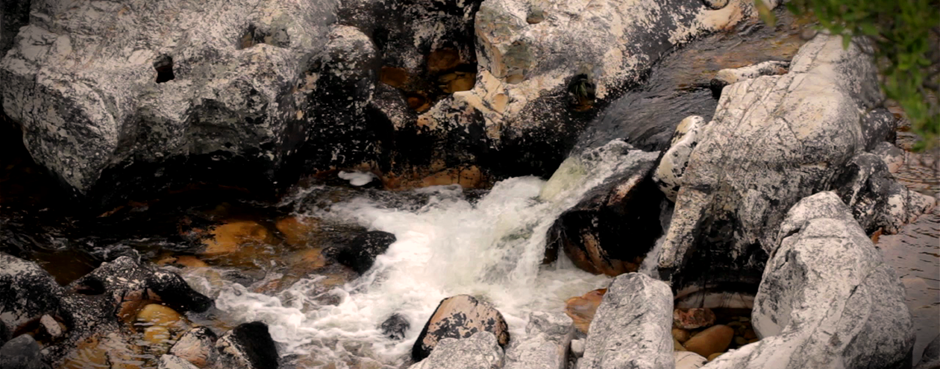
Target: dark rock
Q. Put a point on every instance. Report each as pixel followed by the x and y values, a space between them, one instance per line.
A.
pixel 931 357
pixel 459 317
pixel 632 326
pixel 248 346
pixel 13 15
pixel 28 292
pixel 361 252
pixel 395 327
pixel 615 224
pixel 21 352
pixel 197 347
pixel 4 333
pixel 828 299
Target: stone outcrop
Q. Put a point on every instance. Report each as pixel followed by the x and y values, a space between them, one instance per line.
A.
pixel 545 346
pixel 459 317
pixel 479 351
pixel 631 328
pixel 773 140
pixel 827 299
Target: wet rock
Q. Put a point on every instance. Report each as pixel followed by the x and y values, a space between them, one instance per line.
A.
pixel 710 341
pixel 581 309
pixel 297 230
pixel 693 318
pixel 230 237
pixel 726 77
pixel 102 350
pixel 931 357
pixel 174 362
pixel 28 290
pixel 360 254
pixel 21 352
pixel 196 346
pixel 689 360
pixel 395 327
pixel 552 69
pixel 773 140
pixel 616 223
pixel 460 317
pixel 827 299
pixel 631 328
pixel 248 346
pixel 213 80
pixel 681 335
pixel 548 336
pixel 479 351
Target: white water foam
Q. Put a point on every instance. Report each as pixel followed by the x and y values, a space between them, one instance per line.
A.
pixel 491 249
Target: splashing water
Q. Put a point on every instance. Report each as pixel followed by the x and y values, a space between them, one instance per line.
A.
pixel 491 249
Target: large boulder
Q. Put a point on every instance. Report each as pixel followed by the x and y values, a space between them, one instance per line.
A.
pixel 616 223
pixel 247 346
pixel 773 140
pixel 632 326
pixel 543 66
pixel 100 85
pixel 479 351
pixel 545 346
pixel 827 299
pixel 459 317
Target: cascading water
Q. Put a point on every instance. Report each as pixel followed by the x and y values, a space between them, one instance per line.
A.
pixel 491 249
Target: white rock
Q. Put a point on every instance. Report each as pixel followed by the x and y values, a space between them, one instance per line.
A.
pixel 479 351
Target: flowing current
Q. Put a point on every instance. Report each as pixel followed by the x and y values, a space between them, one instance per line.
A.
pixel 492 249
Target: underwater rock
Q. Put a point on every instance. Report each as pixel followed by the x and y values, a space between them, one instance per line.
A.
pixel 248 346
pixel 460 317
pixel 196 346
pixel 548 336
pixel 631 328
pixel 827 299
pixel 479 351
pixel 581 309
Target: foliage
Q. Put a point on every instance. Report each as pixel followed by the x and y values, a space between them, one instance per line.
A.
pixel 906 36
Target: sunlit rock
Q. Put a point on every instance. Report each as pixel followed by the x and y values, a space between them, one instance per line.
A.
pixel 478 351
pixel 230 237
pixel 548 336
pixel 581 309
pixel 460 317
pixel 196 346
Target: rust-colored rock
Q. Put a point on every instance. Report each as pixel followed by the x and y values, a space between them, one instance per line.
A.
pixel 460 317
pixel 693 318
pixel 710 341
pixel 395 77
pixel 443 59
pixel 230 237
pixel 681 335
pixel 298 230
pixel 581 309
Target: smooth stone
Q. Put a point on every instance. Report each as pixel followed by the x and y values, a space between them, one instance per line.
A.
pixel 681 335
pixel 712 340
pixel 21 352
pixel 581 309
pixel 230 237
pixel 51 326
pixel 714 356
pixel 693 318
pixel 577 347
pixel 689 360
pixel 158 315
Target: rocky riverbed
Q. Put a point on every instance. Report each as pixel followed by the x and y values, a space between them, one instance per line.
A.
pixel 455 184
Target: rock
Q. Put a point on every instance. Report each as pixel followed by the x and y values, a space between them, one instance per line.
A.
pixel 877 200
pixel 229 238
pixel 15 14
pixel 726 77
pixel 693 318
pixel 101 350
pixel 361 252
pixel 543 67
pixel 631 328
pixel 28 290
pixel 891 155
pixel 616 223
pixel 21 352
pixel 395 327
pixel 827 299
pixel 710 341
pixel 51 326
pixel 213 80
pixel 577 347
pixel 156 314
pixel 673 164
pixel 460 317
pixel 772 141
pixel 714 356
pixel 297 230
pixel 582 308
pixel 4 333
pixel 931 357
pixel 196 346
pixel 689 360
pixel 479 351
pixel 676 346
pixel 548 336
pixel 174 362
pixel 681 335
pixel 248 346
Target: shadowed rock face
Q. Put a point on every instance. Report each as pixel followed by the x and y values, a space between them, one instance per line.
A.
pixel 827 299
pixel 460 317
pixel 772 141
